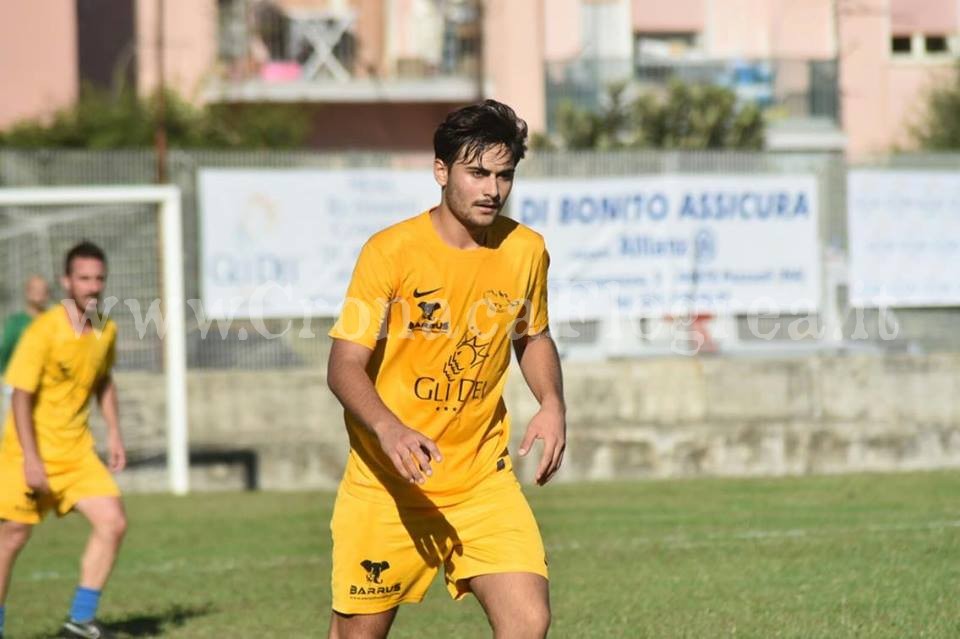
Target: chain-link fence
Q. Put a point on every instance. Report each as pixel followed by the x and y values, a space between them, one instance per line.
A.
pixel 34 240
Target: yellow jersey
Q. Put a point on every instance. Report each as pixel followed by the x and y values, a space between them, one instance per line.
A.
pixel 62 370
pixel 440 321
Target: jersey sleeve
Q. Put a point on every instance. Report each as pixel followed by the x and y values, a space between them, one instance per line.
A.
pixel 26 365
pixel 371 288
pixel 539 319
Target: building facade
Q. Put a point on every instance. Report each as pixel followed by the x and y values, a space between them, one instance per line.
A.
pixel 379 74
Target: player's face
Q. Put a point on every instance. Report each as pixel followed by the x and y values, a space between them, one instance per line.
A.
pixel 475 190
pixel 37 292
pixel 85 282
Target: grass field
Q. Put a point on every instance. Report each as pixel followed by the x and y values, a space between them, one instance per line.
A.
pixel 853 556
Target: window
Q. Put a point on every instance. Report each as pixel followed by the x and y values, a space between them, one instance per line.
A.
pixel 936 44
pixel 900 44
pixel 921 45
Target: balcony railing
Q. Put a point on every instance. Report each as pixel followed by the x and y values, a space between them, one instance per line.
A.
pixel 283 50
pixel 784 88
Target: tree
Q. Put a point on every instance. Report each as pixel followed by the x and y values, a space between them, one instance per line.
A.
pixel 939 129
pixel 104 120
pixel 687 117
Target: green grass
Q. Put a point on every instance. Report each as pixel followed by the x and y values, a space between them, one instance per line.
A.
pixel 852 556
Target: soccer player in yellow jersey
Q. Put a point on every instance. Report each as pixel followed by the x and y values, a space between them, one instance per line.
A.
pixel 47 458
pixel 419 362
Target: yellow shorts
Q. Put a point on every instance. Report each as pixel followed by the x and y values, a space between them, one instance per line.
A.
pixel 384 556
pixel 69 483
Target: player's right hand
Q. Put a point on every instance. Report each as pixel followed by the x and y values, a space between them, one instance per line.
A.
pixel 36 476
pixel 411 452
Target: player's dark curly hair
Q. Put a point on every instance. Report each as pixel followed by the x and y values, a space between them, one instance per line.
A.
pixel 468 132
pixel 86 248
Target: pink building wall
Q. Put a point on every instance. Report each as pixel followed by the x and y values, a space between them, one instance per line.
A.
pixel 770 29
pixel 38 59
pixel 864 81
pixel 883 94
pixel 803 30
pixel 513 54
pixel 926 16
pixel 908 84
pixel 190 44
pixel 738 28
pixel 676 16
pixel 561 30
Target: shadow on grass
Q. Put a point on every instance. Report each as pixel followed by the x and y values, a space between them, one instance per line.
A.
pixel 152 625
pixel 156 624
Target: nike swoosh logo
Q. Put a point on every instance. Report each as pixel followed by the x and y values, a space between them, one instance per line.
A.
pixel 417 293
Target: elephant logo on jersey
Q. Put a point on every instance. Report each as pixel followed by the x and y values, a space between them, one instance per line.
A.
pixel 500 302
pixel 428 309
pixel 374 569
pixel 468 354
pixel 429 322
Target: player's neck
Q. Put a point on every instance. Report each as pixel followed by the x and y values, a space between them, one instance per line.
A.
pixel 454 232
pixel 79 321
pixel 33 310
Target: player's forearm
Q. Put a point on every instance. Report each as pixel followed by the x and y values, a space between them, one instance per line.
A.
pixel 352 386
pixel 22 404
pixel 540 364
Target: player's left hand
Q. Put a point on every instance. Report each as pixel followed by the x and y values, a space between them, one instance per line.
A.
pixel 118 454
pixel 550 425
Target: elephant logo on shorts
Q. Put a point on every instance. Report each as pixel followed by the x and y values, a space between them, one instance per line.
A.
pixel 374 569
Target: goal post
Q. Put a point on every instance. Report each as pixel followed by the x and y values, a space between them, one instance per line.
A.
pixel 167 199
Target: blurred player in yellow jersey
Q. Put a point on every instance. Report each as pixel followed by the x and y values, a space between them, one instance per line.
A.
pixel 419 362
pixel 47 458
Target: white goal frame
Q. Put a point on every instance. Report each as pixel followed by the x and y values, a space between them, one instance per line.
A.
pixel 175 346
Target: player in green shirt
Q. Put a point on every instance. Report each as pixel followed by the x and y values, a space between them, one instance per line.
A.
pixel 37 296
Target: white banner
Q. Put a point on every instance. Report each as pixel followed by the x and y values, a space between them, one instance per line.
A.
pixel 666 245
pixel 904 238
pixel 283 243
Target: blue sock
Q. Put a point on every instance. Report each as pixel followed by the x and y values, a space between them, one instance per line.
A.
pixel 85 603
pixel 3 609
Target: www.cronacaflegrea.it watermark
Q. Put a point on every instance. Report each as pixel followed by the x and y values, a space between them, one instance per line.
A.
pixel 685 324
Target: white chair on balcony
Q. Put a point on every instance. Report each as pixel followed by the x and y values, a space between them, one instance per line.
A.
pixel 322 30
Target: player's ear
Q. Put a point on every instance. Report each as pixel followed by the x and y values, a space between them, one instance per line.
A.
pixel 440 172
pixel 65 283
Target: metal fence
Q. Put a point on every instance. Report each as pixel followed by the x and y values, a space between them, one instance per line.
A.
pixel 34 241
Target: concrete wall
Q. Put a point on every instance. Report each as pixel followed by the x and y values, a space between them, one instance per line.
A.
pixel 640 419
